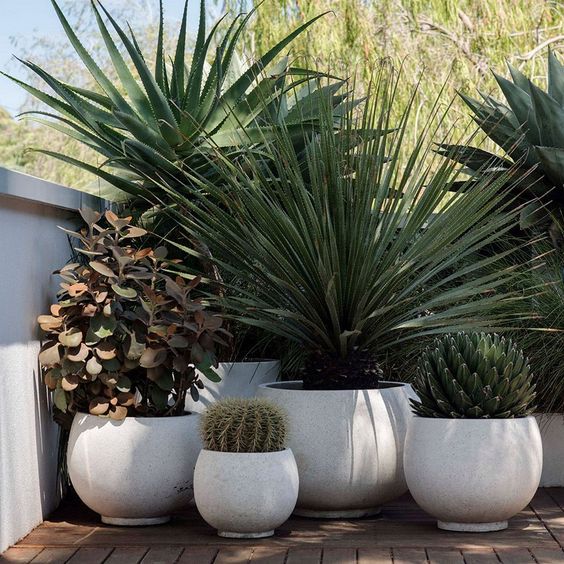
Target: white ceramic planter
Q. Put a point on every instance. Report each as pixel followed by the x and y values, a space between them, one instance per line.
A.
pixel 348 446
pixel 238 380
pixel 136 471
pixel 246 495
pixel 473 474
pixel 552 433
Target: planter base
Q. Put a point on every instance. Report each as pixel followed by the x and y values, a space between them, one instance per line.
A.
pixel 230 535
pixel 135 522
pixel 339 514
pixel 472 527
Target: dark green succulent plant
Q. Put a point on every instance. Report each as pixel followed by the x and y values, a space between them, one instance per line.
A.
pixel 474 375
pixel 244 425
pixel 529 127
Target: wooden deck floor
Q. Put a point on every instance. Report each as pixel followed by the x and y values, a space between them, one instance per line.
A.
pixel 402 535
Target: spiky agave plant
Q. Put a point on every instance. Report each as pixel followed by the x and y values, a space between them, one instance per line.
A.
pixel 475 376
pixel 158 122
pixel 244 425
pixel 345 254
pixel 529 127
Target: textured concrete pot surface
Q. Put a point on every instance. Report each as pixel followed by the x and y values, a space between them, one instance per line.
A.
pixel 552 433
pixel 473 474
pixel 348 446
pixel 238 380
pixel 246 495
pixel 136 471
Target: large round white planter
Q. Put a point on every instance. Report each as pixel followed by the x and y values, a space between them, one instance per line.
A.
pixel 238 380
pixel 348 446
pixel 473 474
pixel 246 495
pixel 552 433
pixel 136 471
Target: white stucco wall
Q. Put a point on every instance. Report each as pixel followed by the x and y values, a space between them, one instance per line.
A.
pixel 31 247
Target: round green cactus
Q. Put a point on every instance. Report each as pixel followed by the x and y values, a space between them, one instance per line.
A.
pixel 475 376
pixel 244 425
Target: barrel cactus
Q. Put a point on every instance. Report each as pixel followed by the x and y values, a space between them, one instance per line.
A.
pixel 244 425
pixel 473 375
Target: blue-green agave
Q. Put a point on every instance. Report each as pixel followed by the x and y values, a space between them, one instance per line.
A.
pixel 156 123
pixel 529 127
pixel 475 375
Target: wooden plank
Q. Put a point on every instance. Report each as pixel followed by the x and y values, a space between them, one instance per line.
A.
pixel 268 555
pixel 486 556
pixel 54 555
pixel 303 556
pixel 127 555
pixel 339 556
pixel 548 556
pixel 90 556
pixel 18 554
pixel 409 556
pixel 162 555
pixel 444 556
pixel 197 555
pixel 374 556
pixel 233 555
pixel 515 556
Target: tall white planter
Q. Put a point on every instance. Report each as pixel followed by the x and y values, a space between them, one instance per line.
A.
pixel 473 474
pixel 552 433
pixel 238 380
pixel 136 471
pixel 246 494
pixel 348 446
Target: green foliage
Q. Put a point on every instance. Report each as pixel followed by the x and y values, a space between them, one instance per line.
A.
pixel 152 123
pixel 244 425
pixel 473 376
pixel 123 327
pixel 347 253
pixel 529 127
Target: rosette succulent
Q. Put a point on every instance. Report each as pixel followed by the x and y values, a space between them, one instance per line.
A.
pixel 474 375
pixel 125 337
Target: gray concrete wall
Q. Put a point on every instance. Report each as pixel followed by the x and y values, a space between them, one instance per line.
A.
pixel 31 247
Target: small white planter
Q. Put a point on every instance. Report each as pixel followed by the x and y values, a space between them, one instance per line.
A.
pixel 246 495
pixel 473 474
pixel 238 380
pixel 136 471
pixel 348 446
pixel 552 433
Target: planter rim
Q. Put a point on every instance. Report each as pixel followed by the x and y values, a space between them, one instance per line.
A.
pixel 253 361
pixel 134 419
pixel 290 386
pixel 246 454
pixel 471 420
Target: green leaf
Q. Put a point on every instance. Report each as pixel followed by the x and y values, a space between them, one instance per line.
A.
pixel 102 326
pixel 128 293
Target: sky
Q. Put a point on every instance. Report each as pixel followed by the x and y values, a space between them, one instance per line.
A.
pixel 19 18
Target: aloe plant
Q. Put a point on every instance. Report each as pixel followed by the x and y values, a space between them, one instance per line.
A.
pixel 159 122
pixel 346 256
pixel 529 128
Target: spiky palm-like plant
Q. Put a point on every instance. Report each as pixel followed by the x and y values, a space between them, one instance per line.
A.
pixel 156 123
pixel 529 127
pixel 348 256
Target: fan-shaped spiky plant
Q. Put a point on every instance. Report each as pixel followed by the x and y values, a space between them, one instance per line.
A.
pixel 529 127
pixel 475 376
pixel 346 254
pixel 244 425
